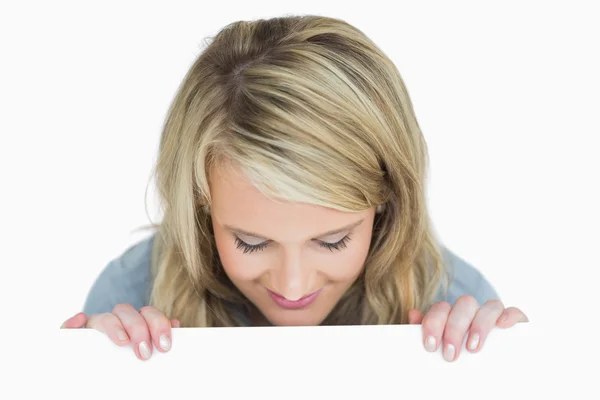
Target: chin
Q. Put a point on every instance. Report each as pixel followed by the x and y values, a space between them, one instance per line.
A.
pixel 294 318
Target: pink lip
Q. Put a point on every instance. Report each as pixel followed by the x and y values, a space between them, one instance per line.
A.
pixel 294 304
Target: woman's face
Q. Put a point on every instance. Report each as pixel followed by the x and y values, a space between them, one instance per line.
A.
pixel 294 261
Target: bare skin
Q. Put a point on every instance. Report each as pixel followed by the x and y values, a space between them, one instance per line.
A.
pixel 285 248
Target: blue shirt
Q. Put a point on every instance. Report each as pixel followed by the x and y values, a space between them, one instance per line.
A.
pixel 127 280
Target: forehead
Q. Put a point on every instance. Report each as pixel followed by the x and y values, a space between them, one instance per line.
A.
pixel 239 203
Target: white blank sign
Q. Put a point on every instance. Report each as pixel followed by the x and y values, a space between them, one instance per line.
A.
pixel 312 362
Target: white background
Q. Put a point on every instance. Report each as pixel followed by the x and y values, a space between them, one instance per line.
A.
pixel 507 95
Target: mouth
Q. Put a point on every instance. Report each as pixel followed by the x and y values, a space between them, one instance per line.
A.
pixel 302 302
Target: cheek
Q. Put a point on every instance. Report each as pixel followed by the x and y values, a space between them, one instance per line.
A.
pixel 237 265
pixel 347 264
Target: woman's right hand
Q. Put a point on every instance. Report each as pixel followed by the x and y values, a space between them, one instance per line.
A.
pixel 145 329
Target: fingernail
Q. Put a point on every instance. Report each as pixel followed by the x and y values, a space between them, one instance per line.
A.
pixel 121 335
pixel 165 343
pixel 144 350
pixel 430 343
pixel 449 352
pixel 474 341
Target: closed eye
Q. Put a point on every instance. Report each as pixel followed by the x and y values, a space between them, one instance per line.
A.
pixel 337 245
pixel 250 248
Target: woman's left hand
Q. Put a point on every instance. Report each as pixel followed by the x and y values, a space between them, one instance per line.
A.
pixel 448 325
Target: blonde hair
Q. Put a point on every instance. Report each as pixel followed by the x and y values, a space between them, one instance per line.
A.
pixel 311 110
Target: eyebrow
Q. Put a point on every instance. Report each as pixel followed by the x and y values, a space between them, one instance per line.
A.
pixel 328 233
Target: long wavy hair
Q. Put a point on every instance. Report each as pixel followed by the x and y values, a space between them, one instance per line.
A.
pixel 311 110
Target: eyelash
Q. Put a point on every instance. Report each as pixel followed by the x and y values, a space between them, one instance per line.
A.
pixel 249 248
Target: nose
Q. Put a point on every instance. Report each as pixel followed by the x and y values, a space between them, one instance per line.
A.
pixel 292 278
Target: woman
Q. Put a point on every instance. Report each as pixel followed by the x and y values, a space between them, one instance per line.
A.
pixel 291 173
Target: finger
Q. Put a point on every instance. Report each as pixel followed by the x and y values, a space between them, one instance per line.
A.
pixel 75 322
pixel 415 317
pixel 137 329
pixel 510 317
pixel 458 324
pixel 433 323
pixel 111 326
pixel 159 327
pixel 175 323
pixel 484 321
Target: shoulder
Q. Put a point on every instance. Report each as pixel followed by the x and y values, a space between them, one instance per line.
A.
pixel 465 279
pixel 125 280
